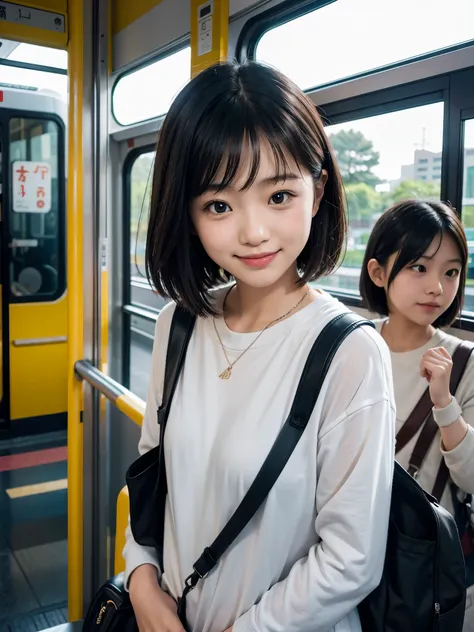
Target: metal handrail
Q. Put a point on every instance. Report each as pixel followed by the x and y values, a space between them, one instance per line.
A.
pixel 143 312
pixel 131 405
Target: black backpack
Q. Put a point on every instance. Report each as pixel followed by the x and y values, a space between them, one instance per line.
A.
pixel 423 583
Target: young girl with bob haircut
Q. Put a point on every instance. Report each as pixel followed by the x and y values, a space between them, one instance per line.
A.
pixel 414 274
pixel 247 209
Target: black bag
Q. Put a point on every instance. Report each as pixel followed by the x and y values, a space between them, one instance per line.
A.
pixel 111 610
pixel 423 585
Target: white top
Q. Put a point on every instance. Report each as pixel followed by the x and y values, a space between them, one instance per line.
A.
pixel 316 547
pixel 409 387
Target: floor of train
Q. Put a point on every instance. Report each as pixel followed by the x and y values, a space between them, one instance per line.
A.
pixel 33 533
pixel 33 520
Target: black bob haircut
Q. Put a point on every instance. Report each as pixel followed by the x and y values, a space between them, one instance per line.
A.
pixel 408 228
pixel 221 109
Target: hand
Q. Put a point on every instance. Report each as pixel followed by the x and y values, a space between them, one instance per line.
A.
pixel 154 610
pixel 436 366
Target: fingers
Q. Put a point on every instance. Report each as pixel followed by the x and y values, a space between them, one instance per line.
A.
pixel 439 353
pixel 431 368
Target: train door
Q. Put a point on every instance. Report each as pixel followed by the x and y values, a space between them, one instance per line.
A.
pixel 33 273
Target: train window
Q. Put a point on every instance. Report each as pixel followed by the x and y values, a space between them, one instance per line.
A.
pixel 35 79
pixel 378 158
pixel 37 210
pixel 142 333
pixel 139 331
pixel 468 210
pixel 148 92
pixel 140 194
pixel 41 55
pixel 325 46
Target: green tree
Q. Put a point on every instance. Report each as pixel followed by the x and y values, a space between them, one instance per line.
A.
pixel 362 200
pixel 356 157
pixel 468 216
pixel 414 189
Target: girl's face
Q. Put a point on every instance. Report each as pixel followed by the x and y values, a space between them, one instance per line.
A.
pixel 422 291
pixel 256 234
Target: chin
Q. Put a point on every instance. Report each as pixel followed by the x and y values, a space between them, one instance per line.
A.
pixel 423 321
pixel 257 278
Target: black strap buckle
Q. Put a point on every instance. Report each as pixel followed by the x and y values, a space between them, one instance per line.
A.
pixel 205 563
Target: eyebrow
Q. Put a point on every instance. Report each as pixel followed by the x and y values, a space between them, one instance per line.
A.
pixel 283 177
pixel 456 260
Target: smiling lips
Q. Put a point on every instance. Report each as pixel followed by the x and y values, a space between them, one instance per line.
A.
pixel 429 306
pixel 259 261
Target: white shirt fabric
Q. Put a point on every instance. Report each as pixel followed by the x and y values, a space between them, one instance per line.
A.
pixel 409 387
pixel 316 547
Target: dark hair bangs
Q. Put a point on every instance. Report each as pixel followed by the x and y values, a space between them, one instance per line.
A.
pixel 233 130
pixel 415 242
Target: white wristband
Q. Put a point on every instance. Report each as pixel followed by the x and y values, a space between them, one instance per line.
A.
pixel 448 415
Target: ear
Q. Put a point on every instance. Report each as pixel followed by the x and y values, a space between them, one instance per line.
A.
pixel 377 273
pixel 319 190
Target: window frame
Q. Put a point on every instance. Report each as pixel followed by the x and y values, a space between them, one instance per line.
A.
pixel 5 117
pixel 256 27
pixel 133 69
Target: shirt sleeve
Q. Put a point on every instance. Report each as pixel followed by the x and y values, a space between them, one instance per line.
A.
pixel 355 472
pixel 135 554
pixel 460 460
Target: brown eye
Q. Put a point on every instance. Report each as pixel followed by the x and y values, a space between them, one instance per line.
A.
pixel 281 197
pixel 218 208
pixel 453 273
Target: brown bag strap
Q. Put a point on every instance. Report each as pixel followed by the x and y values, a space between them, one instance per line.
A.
pixel 460 359
pixel 415 420
pixel 426 438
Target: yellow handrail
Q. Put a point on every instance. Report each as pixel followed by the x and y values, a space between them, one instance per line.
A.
pixel 131 405
pixel 134 408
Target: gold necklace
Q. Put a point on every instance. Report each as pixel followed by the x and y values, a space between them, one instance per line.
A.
pixel 226 373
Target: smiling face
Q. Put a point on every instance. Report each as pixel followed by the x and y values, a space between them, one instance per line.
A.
pixel 423 290
pixel 256 232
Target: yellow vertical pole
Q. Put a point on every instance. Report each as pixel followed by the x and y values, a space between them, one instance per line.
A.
pixel 209 33
pixel 75 310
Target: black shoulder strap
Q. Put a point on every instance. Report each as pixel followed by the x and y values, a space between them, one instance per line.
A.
pixel 182 326
pixel 310 384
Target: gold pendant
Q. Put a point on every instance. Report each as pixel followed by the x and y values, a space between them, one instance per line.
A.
pixel 225 375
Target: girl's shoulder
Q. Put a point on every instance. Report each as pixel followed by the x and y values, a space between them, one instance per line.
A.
pixel 165 316
pixel 363 347
pixel 449 342
pixel 465 391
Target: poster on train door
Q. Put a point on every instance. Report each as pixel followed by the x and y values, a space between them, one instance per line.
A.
pixel 31 186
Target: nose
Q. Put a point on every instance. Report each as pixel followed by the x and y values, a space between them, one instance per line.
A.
pixel 434 285
pixel 253 229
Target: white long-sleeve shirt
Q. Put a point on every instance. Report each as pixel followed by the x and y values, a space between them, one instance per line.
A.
pixel 409 387
pixel 316 547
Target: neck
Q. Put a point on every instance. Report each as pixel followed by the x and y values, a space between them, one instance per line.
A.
pixel 249 309
pixel 402 334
